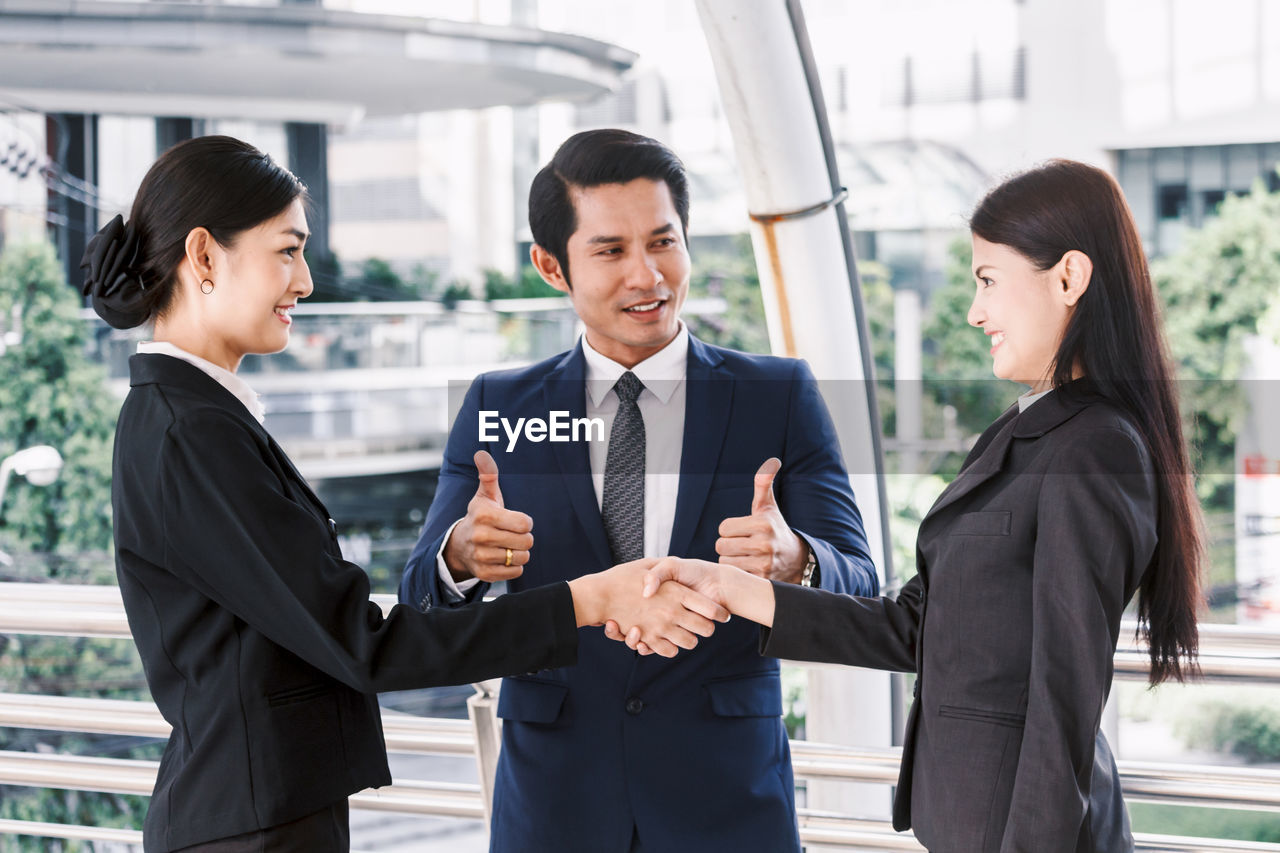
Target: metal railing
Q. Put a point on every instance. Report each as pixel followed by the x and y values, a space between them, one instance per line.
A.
pixel 1228 652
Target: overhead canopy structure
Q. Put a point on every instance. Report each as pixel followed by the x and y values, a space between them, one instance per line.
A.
pixel 282 62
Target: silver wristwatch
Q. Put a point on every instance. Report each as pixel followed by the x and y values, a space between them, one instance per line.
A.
pixel 809 577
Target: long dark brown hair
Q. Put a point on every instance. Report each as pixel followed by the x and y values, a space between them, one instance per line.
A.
pixel 1114 338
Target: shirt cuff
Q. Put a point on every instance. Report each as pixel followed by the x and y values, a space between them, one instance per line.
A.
pixel 453 590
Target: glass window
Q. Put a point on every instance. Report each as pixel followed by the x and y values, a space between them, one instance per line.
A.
pixel 1171 200
pixel 1210 200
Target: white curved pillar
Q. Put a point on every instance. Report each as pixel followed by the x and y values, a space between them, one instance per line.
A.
pixel 766 79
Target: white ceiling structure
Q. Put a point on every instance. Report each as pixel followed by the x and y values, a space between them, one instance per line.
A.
pixel 282 63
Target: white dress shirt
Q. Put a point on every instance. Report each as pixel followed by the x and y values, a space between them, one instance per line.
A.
pixel 662 405
pixel 1025 401
pixel 237 386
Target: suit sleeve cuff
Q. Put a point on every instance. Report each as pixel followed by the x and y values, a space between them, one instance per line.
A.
pixel 788 605
pixel 812 544
pixel 556 600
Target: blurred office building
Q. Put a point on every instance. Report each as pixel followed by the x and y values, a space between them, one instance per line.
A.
pixel 419 135
pixel 932 101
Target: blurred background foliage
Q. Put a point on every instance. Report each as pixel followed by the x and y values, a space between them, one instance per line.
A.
pixel 53 394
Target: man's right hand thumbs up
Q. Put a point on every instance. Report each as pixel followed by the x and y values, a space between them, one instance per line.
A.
pixel 491 542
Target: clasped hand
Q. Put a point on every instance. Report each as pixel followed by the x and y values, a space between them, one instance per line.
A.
pixel 665 619
pixel 673 577
pixel 760 544
pixel 655 606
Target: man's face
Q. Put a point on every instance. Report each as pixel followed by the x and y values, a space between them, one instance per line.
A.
pixel 629 266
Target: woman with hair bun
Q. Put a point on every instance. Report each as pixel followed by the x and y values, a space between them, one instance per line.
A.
pixel 260 644
pixel 1076 500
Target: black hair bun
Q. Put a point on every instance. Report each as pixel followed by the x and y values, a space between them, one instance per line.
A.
pixel 112 278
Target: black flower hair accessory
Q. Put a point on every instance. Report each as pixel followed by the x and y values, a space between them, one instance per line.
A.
pixel 112 278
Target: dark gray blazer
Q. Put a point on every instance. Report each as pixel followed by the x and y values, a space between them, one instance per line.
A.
pixel 1025 563
pixel 260 644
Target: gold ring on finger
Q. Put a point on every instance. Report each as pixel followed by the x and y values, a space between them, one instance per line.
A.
pixel 508 562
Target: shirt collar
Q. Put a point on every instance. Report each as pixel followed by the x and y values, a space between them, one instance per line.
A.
pixel 1026 400
pixel 659 372
pixel 237 386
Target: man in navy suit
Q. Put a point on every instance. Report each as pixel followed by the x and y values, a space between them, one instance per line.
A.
pixel 641 441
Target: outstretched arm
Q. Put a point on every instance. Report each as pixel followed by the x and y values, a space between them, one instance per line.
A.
pixel 742 593
pixel 805 624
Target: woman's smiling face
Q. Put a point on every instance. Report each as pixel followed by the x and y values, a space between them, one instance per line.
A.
pixel 1023 311
pixel 256 282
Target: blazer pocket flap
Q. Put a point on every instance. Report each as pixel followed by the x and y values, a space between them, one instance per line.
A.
pixel 983 715
pixel 983 524
pixel 527 701
pixel 747 696
pixel 293 695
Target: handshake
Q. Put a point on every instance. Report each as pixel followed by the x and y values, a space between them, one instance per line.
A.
pixel 656 606
pixel 644 604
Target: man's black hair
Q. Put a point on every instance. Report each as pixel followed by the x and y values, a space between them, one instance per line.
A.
pixel 592 158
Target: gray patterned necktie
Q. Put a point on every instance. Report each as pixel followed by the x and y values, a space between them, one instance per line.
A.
pixel 622 506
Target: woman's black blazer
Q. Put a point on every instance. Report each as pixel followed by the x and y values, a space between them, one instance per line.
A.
pixel 260 644
pixel 1025 564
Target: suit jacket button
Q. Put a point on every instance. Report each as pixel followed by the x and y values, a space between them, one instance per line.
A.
pixel 635 705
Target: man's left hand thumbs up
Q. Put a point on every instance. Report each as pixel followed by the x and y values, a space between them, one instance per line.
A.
pixel 762 543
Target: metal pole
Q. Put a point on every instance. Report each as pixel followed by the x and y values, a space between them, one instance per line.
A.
pixel 482 708
pixel 907 380
pixel 773 103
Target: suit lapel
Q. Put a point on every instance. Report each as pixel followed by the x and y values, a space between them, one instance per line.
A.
pixel 565 390
pixel 984 462
pixel 301 481
pixel 708 398
pixel 988 456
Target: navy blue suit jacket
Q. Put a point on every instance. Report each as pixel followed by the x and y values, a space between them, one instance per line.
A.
pixel 691 751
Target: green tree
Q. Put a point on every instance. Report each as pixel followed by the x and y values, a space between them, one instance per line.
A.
pixel 53 394
pixel 731 276
pixel 424 281
pixel 454 292
pixel 379 282
pixel 877 307
pixel 1218 289
pixel 734 278
pixel 526 285
pixel 376 281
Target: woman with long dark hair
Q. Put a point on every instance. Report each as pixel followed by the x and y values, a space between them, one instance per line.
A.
pixel 1076 499
pixel 260 644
